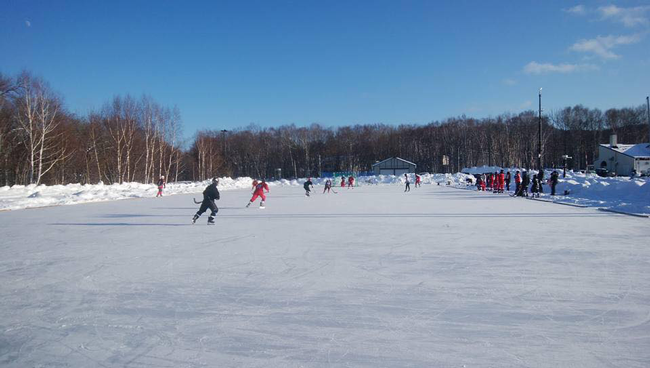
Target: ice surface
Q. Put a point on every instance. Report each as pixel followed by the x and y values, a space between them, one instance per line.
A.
pixel 368 277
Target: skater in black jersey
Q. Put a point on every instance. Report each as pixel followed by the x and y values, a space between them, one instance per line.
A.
pixel 210 194
pixel 308 184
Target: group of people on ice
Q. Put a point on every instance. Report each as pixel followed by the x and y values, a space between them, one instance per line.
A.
pixel 407 181
pixel 499 182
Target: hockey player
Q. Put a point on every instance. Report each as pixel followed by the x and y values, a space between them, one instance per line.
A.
pixel 308 184
pixel 517 183
pixel 259 192
pixel 534 187
pixel 343 182
pixel 210 194
pixel 351 182
pixel 161 185
pixel 408 183
pixel 418 180
pixel 328 186
pixel 525 180
pixel 508 181
pixel 502 180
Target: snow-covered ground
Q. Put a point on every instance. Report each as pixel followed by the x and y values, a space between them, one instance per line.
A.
pixel 624 194
pixel 620 193
pixel 368 277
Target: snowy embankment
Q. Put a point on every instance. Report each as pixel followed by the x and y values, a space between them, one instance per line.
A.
pixel 630 195
pixel 619 193
pixel 21 196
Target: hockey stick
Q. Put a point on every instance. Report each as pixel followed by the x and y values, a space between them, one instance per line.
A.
pixel 196 201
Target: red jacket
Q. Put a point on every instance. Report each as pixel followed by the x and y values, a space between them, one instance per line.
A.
pixel 502 178
pixel 259 188
pixel 517 178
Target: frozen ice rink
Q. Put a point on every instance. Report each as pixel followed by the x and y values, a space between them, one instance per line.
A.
pixel 368 277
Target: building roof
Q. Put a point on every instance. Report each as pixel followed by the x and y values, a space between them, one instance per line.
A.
pixel 396 158
pixel 632 150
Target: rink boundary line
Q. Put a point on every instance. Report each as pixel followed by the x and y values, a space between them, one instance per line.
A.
pixel 562 203
pixel 68 204
pixel 623 212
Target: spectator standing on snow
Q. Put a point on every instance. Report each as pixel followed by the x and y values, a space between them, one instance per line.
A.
pixel 517 183
pixel 540 177
pixel 554 179
pixel 525 180
pixel 161 185
pixel 534 187
pixel 210 194
pixel 408 183
pixel 508 181
pixel 502 180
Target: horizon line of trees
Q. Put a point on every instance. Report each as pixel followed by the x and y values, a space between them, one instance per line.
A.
pixel 136 139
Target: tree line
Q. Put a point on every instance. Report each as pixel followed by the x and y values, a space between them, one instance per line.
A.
pixel 136 139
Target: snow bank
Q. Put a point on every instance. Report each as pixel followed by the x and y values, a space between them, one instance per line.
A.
pixel 618 193
pixel 623 194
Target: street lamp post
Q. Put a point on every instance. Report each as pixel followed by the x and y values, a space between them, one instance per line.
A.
pixel 539 142
pixel 647 101
pixel 223 141
pixel 565 157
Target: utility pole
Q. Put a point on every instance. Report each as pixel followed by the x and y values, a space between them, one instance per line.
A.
pixel 539 142
pixel 647 101
pixel 223 141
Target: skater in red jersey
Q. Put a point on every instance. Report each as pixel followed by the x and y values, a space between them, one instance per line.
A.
pixel 259 192
pixel 343 182
pixel 351 182
pixel 161 185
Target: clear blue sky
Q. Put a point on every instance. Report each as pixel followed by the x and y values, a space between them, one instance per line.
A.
pixel 228 64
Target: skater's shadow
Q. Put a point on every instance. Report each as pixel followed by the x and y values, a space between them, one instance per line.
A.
pixel 133 215
pixel 112 224
pixel 416 215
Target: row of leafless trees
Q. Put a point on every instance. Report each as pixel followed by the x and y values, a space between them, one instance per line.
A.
pixel 506 140
pixel 126 140
pixel 131 139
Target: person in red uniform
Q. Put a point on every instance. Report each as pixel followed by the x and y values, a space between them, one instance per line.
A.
pixel 502 181
pixel 259 192
pixel 351 182
pixel 343 182
pixel 495 183
pixel 161 185
pixel 418 181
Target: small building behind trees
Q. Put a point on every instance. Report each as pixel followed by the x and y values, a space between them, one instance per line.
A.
pixel 623 159
pixel 393 166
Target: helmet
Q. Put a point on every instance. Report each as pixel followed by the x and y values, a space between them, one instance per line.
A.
pixel 215 181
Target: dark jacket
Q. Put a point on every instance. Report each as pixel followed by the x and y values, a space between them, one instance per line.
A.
pixel 554 178
pixel 211 192
pixel 525 180
pixel 307 184
pixel 535 187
